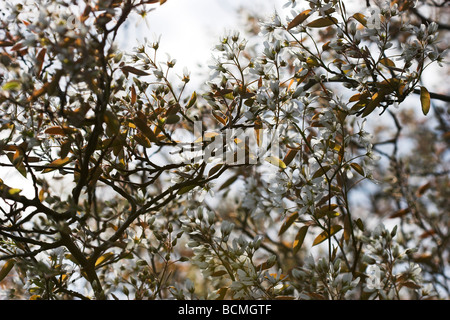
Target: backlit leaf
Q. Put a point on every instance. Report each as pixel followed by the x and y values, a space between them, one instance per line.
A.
pixel 14 191
pixel 192 100
pixel 11 85
pixel 141 124
pixel 229 182
pixel 387 62
pixel 58 163
pixel 102 259
pixel 322 22
pixel 360 18
pixel 325 235
pixel 186 189
pixel 135 71
pixel 112 122
pixel 289 156
pixel 373 103
pixel 425 100
pixel 133 94
pixel 215 169
pixel 40 60
pixel 326 210
pixel 299 19
pixel 276 162
pixel 357 168
pixel 287 223
pixel 220 117
pixel 299 238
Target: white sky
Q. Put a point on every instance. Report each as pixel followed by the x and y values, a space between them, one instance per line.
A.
pixel 189 29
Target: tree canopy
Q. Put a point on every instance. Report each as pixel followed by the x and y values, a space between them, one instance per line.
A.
pixel 313 163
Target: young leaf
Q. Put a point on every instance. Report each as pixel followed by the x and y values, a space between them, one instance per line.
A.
pixel 325 210
pixel 299 19
pixel 320 172
pixel 220 117
pixel 387 62
pixel 40 61
pixel 229 182
pixel 425 100
pixel 287 223
pixel 373 103
pixel 215 169
pixel 107 256
pixel 56 164
pixel 12 85
pixel 290 156
pixel 135 71
pixel 192 100
pixel 112 122
pixel 324 235
pixel 360 18
pixel 6 269
pixel 299 238
pixel 144 128
pixel 322 22
pixel 133 94
pixel 186 189
pixel 276 162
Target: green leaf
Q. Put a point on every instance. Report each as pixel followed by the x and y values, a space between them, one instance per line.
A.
pixel 6 269
pixel 287 223
pixel 322 22
pixel 425 100
pixel 324 235
pixel 326 210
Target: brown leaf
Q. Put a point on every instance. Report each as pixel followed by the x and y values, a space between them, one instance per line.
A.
pixel 400 213
pixel 325 235
pixel 290 155
pixel 299 238
pixel 299 19
pixel 425 100
pixel 322 22
pixel 133 95
pixel 135 71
